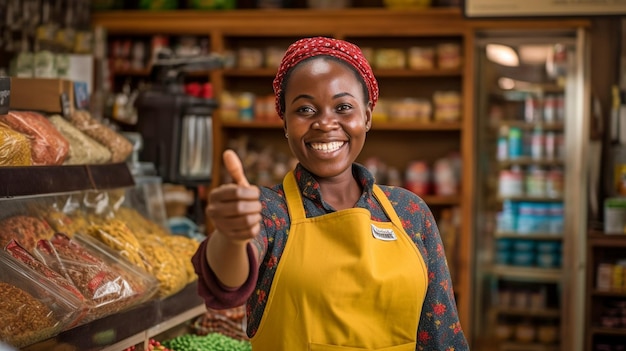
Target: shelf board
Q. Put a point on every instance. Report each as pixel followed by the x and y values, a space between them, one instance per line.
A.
pixel 596 238
pixel 40 180
pixel 608 331
pixel 512 346
pixel 526 312
pixel 536 236
pixel 545 126
pixel 602 293
pixel 530 273
pixel 129 327
pixel 376 125
pixel 528 161
pixel 530 199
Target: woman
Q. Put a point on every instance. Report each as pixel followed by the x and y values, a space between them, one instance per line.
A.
pixel 328 260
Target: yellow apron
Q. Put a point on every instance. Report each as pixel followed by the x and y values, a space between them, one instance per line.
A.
pixel 343 283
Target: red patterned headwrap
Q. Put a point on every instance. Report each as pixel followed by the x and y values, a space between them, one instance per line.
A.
pixel 343 50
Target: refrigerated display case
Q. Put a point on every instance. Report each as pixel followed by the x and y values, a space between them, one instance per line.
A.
pixel 532 94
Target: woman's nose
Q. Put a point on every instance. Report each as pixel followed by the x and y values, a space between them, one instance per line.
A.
pixel 326 120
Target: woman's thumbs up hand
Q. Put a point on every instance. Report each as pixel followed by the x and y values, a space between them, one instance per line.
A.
pixel 234 208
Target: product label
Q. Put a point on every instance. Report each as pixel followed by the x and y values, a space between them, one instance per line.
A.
pixel 386 234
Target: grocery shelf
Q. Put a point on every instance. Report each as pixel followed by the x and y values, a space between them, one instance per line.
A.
pixel 530 273
pixel 528 161
pixel 130 327
pixel 608 331
pixel 40 180
pixel 602 293
pixel 535 236
pixel 601 239
pixel 528 312
pixel 546 126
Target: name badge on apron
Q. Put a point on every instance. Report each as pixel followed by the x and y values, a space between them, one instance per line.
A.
pixel 386 234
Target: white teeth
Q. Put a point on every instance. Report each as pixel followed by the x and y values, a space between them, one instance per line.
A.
pixel 327 147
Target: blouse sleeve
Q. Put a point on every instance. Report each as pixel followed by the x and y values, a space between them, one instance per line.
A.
pixel 439 327
pixel 216 295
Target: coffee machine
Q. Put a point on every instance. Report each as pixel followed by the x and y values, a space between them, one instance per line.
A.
pixel 176 127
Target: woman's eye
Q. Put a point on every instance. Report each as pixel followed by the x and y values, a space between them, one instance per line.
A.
pixel 305 110
pixel 344 107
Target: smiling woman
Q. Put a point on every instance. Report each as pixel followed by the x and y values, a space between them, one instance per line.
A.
pixel 328 258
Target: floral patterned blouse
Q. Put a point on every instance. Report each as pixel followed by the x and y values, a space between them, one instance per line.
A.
pixel 439 326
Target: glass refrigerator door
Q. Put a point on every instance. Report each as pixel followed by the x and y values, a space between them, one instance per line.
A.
pixel 529 237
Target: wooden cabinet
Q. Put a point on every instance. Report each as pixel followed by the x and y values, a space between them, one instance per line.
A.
pixel 396 143
pixel 606 292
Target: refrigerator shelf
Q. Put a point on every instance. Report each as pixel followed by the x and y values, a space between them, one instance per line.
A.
pixel 546 126
pixel 535 274
pixel 536 236
pixel 530 198
pixel 528 161
pixel 551 313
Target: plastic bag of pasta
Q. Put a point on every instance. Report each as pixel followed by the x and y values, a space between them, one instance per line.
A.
pixel 14 147
pixel 83 149
pixel 118 145
pixel 48 145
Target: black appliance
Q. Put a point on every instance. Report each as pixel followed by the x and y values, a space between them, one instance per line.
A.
pixel 177 127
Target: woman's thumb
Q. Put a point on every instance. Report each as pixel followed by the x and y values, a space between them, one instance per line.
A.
pixel 234 167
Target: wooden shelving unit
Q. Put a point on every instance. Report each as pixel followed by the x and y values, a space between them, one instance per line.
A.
pixel 602 248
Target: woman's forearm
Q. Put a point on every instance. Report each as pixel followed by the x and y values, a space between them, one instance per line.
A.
pixel 228 259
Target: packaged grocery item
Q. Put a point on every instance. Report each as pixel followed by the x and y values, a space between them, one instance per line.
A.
pixel 229 322
pixel 83 149
pixel 447 106
pixel 24 229
pixel 31 265
pixel 168 267
pixel 118 145
pixel 31 308
pixel 48 145
pixel 184 248
pixel 99 273
pixel 448 56
pixel 389 59
pixel 116 235
pixel 421 57
pixel 14 147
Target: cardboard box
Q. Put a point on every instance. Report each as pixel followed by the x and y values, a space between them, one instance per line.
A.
pixel 42 94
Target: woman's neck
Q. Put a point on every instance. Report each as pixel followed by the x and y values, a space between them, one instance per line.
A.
pixel 341 193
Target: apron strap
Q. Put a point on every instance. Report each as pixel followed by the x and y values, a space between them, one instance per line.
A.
pixel 294 199
pixel 295 205
pixel 387 207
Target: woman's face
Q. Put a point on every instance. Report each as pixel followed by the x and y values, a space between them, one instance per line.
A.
pixel 326 116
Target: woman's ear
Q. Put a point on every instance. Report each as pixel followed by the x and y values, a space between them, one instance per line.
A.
pixel 368 116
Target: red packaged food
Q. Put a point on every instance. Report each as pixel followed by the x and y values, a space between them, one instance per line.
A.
pixel 111 284
pixel 31 263
pixel 48 145
pixel 26 230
